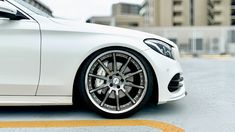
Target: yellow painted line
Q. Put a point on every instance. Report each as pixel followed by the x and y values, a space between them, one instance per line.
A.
pixel 90 123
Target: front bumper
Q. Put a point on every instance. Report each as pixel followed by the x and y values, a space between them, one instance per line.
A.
pixel 178 97
pixel 165 70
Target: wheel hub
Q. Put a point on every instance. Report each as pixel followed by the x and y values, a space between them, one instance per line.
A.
pixel 116 80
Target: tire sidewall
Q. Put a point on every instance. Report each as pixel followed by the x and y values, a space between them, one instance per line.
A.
pixel 82 88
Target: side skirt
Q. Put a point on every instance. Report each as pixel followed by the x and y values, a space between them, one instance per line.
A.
pixel 35 100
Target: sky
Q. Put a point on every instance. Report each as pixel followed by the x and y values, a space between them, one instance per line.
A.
pixel 81 10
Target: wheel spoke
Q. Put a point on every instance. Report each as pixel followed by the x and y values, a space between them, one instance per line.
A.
pixel 116 81
pixel 133 85
pixel 99 88
pixel 134 73
pixel 114 63
pixel 117 99
pixel 128 95
pixel 104 67
pixel 125 65
pixel 98 76
pixel 106 97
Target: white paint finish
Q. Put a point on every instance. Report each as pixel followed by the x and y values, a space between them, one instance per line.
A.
pixel 165 69
pixel 74 43
pixel 35 100
pixel 65 45
pixel 20 57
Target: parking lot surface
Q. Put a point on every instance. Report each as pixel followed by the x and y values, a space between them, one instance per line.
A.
pixel 209 106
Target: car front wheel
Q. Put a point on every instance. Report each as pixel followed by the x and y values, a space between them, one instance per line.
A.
pixel 116 82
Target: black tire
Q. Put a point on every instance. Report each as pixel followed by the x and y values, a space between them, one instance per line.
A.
pixel 86 81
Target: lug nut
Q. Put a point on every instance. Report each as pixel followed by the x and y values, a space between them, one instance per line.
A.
pixel 111 85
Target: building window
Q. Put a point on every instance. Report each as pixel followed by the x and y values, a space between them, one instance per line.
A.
pixel 233 12
pixel 199 44
pixel 134 24
pixel 177 13
pixel 196 45
pixel 130 9
pixel 217 12
pixel 233 2
pixel 233 36
pixel 233 22
pixel 177 2
pixel 192 12
pixel 177 24
pixel 217 2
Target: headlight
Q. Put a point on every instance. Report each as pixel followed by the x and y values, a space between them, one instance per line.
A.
pixel 160 46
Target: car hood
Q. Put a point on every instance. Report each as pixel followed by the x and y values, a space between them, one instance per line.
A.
pixel 102 29
pixel 96 28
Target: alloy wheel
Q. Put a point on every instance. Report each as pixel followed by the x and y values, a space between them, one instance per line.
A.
pixel 116 81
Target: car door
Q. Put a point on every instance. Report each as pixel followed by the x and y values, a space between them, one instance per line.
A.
pixel 19 54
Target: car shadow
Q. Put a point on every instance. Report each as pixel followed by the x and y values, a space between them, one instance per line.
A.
pixel 76 112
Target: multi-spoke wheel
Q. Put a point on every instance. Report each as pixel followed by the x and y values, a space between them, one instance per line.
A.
pixel 116 82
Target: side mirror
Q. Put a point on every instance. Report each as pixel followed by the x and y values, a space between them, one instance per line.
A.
pixel 10 12
pixel 7 10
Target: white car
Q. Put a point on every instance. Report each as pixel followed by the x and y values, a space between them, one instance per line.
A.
pixel 114 71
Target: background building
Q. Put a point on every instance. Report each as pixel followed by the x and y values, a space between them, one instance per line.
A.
pixel 125 9
pixel 166 12
pixel 232 12
pixel 219 12
pixel 123 15
pixel 197 26
pixel 198 39
pixel 188 12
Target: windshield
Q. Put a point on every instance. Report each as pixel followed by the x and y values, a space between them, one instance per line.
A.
pixel 32 8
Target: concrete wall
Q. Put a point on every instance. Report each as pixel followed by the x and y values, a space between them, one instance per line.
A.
pixel 200 12
pixel 164 13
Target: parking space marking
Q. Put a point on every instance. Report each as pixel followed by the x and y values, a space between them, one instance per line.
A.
pixel 165 127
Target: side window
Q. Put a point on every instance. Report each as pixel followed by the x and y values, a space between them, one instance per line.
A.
pixel 6 9
pixel 10 12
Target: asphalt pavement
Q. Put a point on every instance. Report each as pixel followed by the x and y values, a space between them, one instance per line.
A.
pixel 208 107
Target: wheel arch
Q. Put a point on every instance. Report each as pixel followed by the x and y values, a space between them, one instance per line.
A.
pixel 75 94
